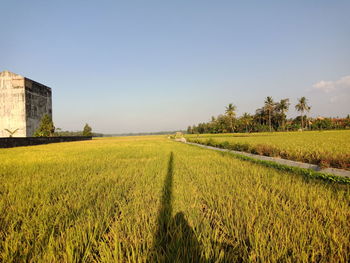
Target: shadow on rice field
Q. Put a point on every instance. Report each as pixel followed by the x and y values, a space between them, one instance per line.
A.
pixel 174 239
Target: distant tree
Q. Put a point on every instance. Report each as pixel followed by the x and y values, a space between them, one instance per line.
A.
pixel 346 122
pixel 212 125
pixel 260 116
pixel 322 124
pixel 87 130
pixel 269 106
pixel 11 133
pixel 231 114
pixel 308 124
pixel 302 107
pixel 46 128
pixel 58 132
pixel 283 107
pixel 246 120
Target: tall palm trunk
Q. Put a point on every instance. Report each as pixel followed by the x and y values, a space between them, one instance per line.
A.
pixel 302 120
pixel 307 122
pixel 270 120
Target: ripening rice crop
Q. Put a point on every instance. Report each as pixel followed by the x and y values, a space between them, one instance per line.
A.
pixel 325 148
pixel 149 199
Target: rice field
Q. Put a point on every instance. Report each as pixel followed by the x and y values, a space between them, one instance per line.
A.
pixel 324 148
pixel 149 199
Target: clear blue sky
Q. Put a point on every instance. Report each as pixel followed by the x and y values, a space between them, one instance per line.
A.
pixel 132 66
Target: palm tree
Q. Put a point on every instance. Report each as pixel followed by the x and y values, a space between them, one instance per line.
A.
pixel 307 121
pixel 283 107
pixel 230 112
pixel 213 125
pixel 246 119
pixel 269 106
pixel 260 115
pixel 301 107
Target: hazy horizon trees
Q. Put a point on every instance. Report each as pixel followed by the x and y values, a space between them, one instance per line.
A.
pixel 47 129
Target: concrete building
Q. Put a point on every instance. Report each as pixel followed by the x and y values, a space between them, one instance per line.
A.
pixel 23 102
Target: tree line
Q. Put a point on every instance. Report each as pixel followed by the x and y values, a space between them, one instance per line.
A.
pixel 47 129
pixel 270 117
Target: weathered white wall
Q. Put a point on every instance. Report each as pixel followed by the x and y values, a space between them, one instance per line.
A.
pixel 38 103
pixel 23 102
pixel 12 104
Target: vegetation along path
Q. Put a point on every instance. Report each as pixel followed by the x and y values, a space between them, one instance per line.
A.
pixel 149 199
pixel 327 171
pixel 323 148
